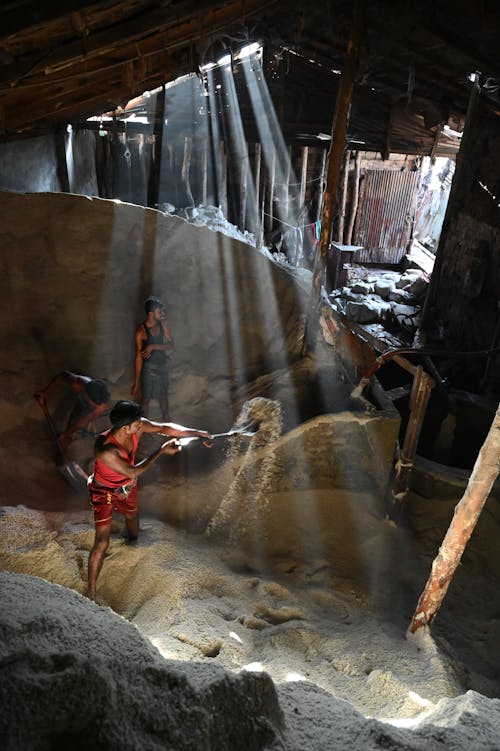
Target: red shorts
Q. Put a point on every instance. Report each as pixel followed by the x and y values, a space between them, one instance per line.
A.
pixel 106 500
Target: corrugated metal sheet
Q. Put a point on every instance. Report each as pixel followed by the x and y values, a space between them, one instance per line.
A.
pixel 385 215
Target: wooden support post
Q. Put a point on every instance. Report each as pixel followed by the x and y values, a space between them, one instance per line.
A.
pixel 257 193
pixel 204 174
pixel 270 194
pixel 156 149
pixel 467 512
pixel 419 398
pixel 321 184
pixel 303 178
pixel 339 127
pixel 286 185
pixel 243 190
pixel 186 166
pixel 355 199
pixel 223 179
pixel 439 130
pixel 343 197
pixel 62 165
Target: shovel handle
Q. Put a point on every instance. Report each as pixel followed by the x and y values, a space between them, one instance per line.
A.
pixel 50 423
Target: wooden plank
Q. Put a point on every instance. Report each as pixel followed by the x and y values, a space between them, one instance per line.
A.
pixel 13 18
pixel 164 28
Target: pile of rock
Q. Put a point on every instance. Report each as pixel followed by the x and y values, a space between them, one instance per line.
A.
pixel 383 296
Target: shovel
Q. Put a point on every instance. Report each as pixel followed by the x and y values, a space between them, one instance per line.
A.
pixel 237 431
pixel 71 471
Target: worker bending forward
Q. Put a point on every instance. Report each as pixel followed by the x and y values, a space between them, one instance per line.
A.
pixel 113 484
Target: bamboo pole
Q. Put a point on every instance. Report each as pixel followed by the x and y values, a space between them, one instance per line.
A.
pixel 462 525
pixel 204 174
pixel 355 198
pixel 243 190
pixel 303 177
pixel 62 164
pixel 156 149
pixel 336 153
pixel 259 193
pixel 186 167
pixel 223 202
pixel 270 194
pixel 321 183
pixel 343 197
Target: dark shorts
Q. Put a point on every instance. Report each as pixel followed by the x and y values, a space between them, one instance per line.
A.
pixel 154 382
pixel 106 500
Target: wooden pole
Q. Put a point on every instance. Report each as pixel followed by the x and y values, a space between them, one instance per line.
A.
pixel 204 174
pixel 156 148
pixel 343 197
pixel 419 398
pixel 303 178
pixel 270 194
pixel 243 190
pixel 62 165
pixel 464 520
pixel 258 195
pixel 355 198
pixel 223 179
pixel 286 185
pixel 336 153
pixel 321 183
pixel 186 166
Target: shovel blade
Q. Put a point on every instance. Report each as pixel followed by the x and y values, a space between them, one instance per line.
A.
pixel 74 475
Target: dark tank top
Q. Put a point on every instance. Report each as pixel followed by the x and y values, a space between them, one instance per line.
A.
pixel 158 357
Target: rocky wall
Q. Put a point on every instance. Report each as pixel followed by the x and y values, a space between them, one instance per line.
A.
pixel 75 274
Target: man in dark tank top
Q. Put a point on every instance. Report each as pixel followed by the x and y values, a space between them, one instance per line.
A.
pixel 153 342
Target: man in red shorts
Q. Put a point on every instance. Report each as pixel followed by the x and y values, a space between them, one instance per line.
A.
pixel 113 485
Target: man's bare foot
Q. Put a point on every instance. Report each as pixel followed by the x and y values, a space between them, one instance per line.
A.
pixel 91 594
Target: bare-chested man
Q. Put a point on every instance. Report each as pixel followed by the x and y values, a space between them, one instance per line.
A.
pixel 92 397
pixel 113 485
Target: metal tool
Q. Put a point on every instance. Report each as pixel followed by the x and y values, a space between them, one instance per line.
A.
pixel 246 431
pixel 70 470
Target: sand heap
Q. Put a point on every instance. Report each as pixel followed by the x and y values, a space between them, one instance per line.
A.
pixel 76 675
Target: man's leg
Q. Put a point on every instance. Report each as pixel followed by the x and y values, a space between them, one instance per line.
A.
pixel 164 407
pixel 96 557
pixel 132 523
pixel 144 407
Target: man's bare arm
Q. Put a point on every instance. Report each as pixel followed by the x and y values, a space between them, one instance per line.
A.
pixel 167 345
pixel 84 420
pixel 140 338
pixel 173 429
pixel 114 460
pixel 65 377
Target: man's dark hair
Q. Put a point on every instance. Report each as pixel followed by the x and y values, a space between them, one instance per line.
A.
pixel 151 303
pixel 97 390
pixel 124 413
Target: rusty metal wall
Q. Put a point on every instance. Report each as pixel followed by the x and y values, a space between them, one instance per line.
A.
pixel 385 215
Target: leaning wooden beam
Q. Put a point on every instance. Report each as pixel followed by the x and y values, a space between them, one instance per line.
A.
pixel 419 398
pixel 464 520
pixel 336 153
